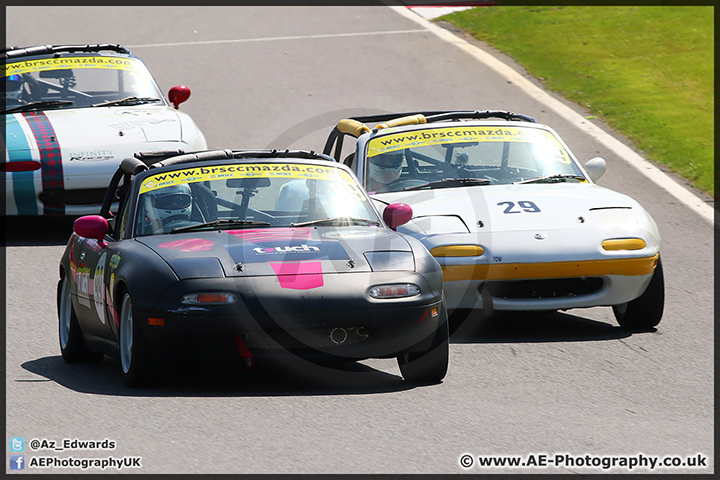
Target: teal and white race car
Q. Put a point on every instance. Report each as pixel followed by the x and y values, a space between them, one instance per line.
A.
pixel 516 222
pixel 72 113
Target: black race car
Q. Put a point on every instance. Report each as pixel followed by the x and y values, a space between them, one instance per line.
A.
pixel 242 254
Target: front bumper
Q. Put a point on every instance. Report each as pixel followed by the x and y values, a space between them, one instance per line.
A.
pixel 546 286
pixel 337 320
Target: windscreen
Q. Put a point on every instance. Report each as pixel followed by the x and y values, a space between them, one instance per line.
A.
pixel 77 81
pixel 491 155
pixel 261 194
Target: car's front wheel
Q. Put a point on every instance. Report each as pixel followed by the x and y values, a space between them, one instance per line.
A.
pixel 135 356
pixel 644 312
pixel 430 366
pixel 72 343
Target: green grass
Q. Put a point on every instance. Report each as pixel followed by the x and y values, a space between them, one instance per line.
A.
pixel 646 71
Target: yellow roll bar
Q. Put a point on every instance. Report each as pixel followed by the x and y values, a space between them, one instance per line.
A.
pixel 352 127
pixel 409 120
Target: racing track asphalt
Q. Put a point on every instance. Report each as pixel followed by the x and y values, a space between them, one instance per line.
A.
pixel 570 382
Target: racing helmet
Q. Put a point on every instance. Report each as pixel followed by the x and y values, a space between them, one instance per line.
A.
pixel 386 167
pixel 171 203
pixel 12 87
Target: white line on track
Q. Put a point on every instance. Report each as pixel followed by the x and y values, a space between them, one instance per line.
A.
pixel 630 156
pixel 275 39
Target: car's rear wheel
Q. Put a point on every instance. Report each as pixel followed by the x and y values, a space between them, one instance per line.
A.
pixel 72 344
pixel 135 356
pixel 645 311
pixel 430 366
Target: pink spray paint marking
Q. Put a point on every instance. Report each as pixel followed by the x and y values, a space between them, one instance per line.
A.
pixel 299 275
pixel 272 234
pixel 188 245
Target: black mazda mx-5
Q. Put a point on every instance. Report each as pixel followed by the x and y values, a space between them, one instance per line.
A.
pixel 239 253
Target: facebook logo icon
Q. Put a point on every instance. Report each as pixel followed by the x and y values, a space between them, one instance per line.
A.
pixel 17 444
pixel 17 462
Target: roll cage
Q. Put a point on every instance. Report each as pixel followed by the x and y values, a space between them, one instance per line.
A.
pixel 356 126
pixel 142 161
pixel 12 53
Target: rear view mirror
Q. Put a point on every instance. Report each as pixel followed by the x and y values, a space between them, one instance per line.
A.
pixel 253 182
pixel 397 214
pixel 62 73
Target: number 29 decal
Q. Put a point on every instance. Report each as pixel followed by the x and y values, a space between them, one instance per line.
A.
pixel 521 206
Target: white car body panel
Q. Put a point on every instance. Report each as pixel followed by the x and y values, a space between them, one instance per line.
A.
pixel 93 142
pixel 572 222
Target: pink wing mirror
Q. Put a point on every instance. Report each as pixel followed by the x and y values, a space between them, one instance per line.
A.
pixel 397 214
pixel 92 226
pixel 178 94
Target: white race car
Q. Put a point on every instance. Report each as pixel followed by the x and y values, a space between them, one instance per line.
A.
pixel 72 113
pixel 515 221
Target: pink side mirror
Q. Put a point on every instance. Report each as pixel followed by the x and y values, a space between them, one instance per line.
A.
pixel 92 226
pixel 397 214
pixel 178 94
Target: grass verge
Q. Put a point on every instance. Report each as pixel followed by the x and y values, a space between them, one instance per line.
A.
pixel 646 71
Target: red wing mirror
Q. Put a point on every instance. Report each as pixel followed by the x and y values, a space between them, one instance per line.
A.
pixel 92 226
pixel 397 214
pixel 178 94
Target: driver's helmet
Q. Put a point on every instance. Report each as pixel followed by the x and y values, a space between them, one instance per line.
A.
pixel 386 167
pixel 12 87
pixel 171 203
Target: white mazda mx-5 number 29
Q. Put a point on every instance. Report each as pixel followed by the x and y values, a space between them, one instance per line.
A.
pixel 515 221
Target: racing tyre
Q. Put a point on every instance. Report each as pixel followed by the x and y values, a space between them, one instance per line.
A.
pixel 135 356
pixel 72 343
pixel 644 312
pixel 429 367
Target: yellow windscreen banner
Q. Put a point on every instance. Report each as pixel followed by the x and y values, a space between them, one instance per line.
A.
pixel 247 170
pixel 461 134
pixel 64 63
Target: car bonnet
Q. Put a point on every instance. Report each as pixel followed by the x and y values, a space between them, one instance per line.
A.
pixel 89 134
pixel 291 254
pixel 511 208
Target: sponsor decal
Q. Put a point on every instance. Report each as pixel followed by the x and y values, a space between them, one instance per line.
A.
pixel 114 261
pixel 99 287
pixel 438 136
pixel 286 249
pixel 93 245
pixel 254 170
pixel 71 256
pixel 83 285
pixel 140 123
pixel 65 63
pixel 350 234
pixel 91 155
pixel 111 304
pixel 110 288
